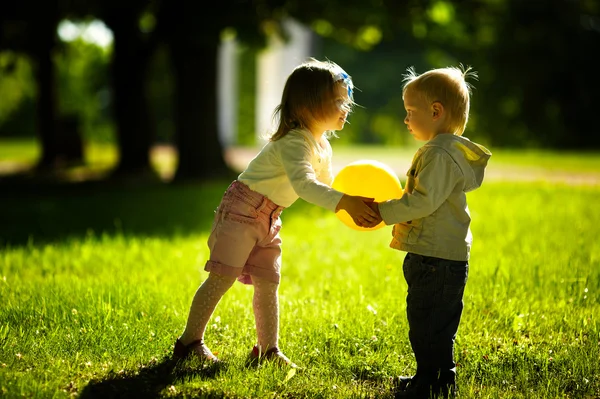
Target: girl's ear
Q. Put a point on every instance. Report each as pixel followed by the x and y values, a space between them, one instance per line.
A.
pixel 437 109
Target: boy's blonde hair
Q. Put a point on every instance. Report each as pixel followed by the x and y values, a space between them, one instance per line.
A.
pixel 309 96
pixel 447 86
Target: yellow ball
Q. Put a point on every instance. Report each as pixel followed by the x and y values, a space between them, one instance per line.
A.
pixel 367 178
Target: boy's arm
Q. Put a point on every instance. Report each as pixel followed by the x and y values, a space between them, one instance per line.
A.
pixel 436 178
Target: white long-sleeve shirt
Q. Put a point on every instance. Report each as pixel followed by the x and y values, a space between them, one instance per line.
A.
pixel 295 166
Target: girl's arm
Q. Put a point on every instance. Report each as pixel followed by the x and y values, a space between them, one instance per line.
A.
pixel 296 155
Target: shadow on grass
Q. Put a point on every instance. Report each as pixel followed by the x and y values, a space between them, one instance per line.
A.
pixel 44 212
pixel 151 382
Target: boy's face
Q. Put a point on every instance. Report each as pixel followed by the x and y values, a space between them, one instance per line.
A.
pixel 420 117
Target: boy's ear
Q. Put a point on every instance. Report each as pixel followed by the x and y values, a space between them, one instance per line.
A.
pixel 437 109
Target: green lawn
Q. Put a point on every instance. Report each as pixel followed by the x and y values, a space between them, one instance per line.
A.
pixel 96 280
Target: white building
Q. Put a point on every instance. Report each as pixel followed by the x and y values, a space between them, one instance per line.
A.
pixel 274 64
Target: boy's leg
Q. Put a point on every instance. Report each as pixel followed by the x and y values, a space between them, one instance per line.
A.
pixel 434 307
pixel 448 319
pixel 422 297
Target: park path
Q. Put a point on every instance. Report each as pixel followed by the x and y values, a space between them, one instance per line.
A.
pixel 238 158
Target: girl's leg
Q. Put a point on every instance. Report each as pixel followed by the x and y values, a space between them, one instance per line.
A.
pixel 203 305
pixel 266 312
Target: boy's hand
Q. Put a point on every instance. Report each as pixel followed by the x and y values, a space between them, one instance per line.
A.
pixel 359 210
pixel 375 207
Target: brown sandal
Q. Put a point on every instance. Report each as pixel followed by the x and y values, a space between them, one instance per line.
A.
pixel 196 348
pixel 271 354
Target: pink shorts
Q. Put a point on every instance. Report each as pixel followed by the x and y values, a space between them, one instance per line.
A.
pixel 244 240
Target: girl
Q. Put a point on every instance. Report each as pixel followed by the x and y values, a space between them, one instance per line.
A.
pixel 244 242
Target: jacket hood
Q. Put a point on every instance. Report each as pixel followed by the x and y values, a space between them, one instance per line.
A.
pixel 472 158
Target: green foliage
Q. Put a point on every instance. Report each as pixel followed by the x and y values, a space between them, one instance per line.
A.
pixel 83 87
pixel 161 95
pixel 15 82
pixel 536 84
pixel 246 128
pixel 18 93
pixel 97 280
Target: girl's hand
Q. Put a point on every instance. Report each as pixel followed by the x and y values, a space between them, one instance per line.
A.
pixel 359 210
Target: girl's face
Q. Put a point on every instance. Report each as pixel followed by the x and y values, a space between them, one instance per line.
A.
pixel 419 118
pixel 339 110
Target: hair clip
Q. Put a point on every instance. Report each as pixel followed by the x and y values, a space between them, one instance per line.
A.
pixel 343 76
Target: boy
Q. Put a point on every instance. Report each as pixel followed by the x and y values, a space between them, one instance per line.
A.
pixel 432 223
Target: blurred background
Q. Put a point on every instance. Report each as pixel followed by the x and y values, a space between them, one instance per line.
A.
pixel 175 89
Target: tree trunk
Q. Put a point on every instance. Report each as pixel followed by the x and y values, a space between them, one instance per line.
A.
pixel 201 155
pixel 46 90
pixel 130 103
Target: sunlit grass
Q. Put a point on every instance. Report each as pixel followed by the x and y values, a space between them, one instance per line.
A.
pixel 95 285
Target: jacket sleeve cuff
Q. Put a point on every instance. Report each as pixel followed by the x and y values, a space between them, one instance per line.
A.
pixel 387 213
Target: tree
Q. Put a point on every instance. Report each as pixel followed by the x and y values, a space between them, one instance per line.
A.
pixel 34 34
pixel 193 46
pixel 132 52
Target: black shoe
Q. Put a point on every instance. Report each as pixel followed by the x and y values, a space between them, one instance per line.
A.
pixel 426 387
pixel 418 386
pixel 401 382
pixel 446 385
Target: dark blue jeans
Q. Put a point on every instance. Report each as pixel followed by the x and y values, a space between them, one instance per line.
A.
pixel 434 305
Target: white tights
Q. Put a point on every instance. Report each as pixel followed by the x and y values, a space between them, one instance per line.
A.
pixel 203 305
pixel 265 304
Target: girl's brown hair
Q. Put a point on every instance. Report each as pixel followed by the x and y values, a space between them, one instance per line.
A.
pixel 309 96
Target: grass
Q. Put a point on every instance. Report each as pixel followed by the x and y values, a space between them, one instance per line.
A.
pixel 96 280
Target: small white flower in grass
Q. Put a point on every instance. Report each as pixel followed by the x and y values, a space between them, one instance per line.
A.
pixel 172 389
pixel 74 311
pixel 88 364
pixel 371 309
pixel 19 356
pixel 217 319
